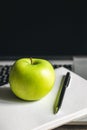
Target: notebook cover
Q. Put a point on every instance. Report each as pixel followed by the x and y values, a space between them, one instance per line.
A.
pixel 16 114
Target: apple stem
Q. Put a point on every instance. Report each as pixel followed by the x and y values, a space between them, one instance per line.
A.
pixel 31 60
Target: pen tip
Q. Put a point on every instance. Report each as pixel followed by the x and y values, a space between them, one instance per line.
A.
pixel 55 110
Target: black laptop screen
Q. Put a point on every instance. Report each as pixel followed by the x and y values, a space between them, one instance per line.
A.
pixel 58 29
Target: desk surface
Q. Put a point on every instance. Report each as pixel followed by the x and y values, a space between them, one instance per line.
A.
pixel 72 127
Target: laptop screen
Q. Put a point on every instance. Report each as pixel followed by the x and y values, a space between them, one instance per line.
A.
pixel 55 29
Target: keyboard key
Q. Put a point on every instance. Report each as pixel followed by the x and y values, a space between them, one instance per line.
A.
pixel 68 67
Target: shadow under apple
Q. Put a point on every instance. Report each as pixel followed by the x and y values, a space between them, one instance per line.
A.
pixel 7 96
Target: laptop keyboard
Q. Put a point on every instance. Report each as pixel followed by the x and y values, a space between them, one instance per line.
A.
pixel 4 72
pixel 68 66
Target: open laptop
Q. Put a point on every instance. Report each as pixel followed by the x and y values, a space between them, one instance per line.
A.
pixel 58 35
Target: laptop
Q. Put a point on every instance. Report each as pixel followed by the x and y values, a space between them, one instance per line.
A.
pixel 58 35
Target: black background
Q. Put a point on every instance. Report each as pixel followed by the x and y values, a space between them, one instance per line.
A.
pixel 41 28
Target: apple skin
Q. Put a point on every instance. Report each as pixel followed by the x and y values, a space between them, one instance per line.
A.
pixel 31 78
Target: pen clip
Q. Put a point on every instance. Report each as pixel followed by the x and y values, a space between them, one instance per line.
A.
pixel 67 79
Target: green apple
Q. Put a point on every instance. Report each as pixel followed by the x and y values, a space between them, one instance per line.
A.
pixel 31 78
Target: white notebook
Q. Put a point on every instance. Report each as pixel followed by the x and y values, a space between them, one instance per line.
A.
pixel 16 114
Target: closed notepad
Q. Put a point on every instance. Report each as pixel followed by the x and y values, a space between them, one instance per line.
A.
pixel 16 114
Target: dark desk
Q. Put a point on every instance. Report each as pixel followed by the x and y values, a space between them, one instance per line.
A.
pixel 72 127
